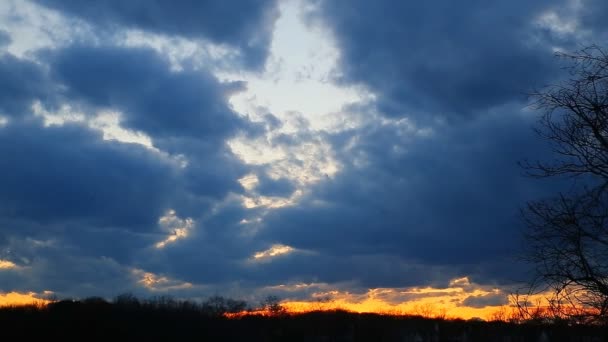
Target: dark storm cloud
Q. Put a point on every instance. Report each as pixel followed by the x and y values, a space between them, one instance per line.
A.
pixel 210 172
pixel 361 270
pixel 447 200
pixel 74 208
pixel 440 58
pixel 221 252
pixel 245 25
pixel 154 99
pixel 406 210
pixel 70 173
pixel 97 202
pixel 594 18
pixel 185 113
pixel 57 269
pixel 213 252
pixel 481 301
pixel 21 82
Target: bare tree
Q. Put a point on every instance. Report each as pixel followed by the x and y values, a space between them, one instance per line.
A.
pixel 272 305
pixel 567 236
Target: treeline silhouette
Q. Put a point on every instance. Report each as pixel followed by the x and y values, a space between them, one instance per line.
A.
pixel 222 319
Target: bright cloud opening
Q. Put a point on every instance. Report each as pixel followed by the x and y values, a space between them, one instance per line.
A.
pixel 106 121
pixel 298 74
pixel 273 251
pixel 270 202
pixel 7 264
pixel 179 50
pixel 155 282
pixel 177 228
pixel 109 123
pixel 296 88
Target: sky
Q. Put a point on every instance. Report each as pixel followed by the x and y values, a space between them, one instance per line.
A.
pixel 360 154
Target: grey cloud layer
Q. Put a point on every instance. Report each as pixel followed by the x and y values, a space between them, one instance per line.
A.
pixel 440 58
pixel 448 200
pixel 21 81
pixel 69 173
pixel 100 200
pixel 139 82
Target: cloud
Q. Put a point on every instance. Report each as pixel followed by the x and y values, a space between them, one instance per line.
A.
pixel 184 112
pixel 70 173
pixel 591 18
pixel 491 299
pixel 268 186
pixel 75 201
pixel 214 252
pixel 5 38
pixel 357 269
pixel 21 82
pixel 244 25
pixel 6 264
pixel 439 58
pixel 447 202
pixel 139 82
pixel 408 208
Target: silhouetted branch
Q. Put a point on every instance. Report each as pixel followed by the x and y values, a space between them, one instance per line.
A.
pixel 567 237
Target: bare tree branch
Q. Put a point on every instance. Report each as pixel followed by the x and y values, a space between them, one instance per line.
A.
pixel 567 236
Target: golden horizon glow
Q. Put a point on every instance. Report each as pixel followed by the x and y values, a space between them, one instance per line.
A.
pixel 435 306
pixel 427 310
pixel 21 298
pixel 449 302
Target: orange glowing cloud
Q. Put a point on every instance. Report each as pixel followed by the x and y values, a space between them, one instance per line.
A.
pixel 155 282
pixel 461 299
pixel 6 265
pixel 273 251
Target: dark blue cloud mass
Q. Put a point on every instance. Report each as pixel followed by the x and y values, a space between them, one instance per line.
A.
pixel 73 206
pixel 480 301
pixel 440 58
pixel 21 82
pixel 449 199
pixel 268 186
pixel 70 173
pixel 185 113
pixel 592 18
pixel 140 83
pixel 71 198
